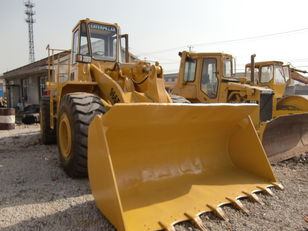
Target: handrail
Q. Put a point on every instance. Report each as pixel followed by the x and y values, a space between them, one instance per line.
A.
pixel 55 60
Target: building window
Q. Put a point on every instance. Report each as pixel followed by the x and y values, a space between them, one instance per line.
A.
pixel 25 85
pixel 43 81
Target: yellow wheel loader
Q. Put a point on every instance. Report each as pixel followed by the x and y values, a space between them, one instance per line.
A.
pixel 287 135
pixel 151 163
pixel 276 76
pixel 210 78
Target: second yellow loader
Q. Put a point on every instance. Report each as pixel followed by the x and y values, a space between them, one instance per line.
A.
pixel 287 134
pixel 281 122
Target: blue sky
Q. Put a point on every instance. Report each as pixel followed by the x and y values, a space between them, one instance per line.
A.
pixel 157 26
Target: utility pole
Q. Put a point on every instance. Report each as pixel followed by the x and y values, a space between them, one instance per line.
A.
pixel 29 12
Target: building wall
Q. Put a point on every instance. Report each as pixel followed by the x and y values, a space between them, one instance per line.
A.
pixel 14 92
pixel 171 77
pixel 170 81
pixel 33 91
pixel 25 90
pixel 2 85
pixel 301 89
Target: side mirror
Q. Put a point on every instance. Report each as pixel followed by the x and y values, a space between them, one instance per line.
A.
pixel 83 58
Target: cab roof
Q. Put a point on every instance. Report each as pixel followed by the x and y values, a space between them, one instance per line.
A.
pixel 206 54
pixel 87 20
pixel 265 63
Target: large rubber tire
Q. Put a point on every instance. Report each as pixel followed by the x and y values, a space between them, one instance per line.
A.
pixel 75 115
pixel 178 99
pixel 48 135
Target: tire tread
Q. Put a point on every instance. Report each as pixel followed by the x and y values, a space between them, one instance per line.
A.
pixel 81 109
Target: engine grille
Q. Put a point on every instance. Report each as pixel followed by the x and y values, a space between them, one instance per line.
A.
pixel 266 105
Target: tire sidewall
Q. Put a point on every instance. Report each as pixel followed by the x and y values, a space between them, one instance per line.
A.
pixel 66 108
pixel 80 109
pixel 48 135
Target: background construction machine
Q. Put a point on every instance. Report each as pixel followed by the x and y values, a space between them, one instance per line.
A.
pixel 278 77
pixel 295 74
pixel 297 82
pixel 151 163
pixel 289 130
pixel 209 78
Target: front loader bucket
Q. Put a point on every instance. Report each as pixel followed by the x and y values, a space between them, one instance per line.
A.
pixel 286 136
pixel 154 165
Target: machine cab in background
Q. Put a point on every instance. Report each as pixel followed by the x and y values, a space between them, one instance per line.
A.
pixel 269 74
pixel 200 75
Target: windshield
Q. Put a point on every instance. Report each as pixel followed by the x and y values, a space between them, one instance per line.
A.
pixel 266 74
pixel 103 41
pixel 227 68
pixel 248 73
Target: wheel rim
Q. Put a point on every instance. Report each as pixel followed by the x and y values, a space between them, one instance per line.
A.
pixel 65 136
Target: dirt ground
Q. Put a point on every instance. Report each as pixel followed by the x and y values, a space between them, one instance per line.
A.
pixel 35 194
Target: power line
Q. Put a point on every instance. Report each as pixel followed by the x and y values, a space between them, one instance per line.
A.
pixel 300 60
pixel 226 41
pixel 301 66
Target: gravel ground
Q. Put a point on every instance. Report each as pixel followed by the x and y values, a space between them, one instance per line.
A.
pixel 35 194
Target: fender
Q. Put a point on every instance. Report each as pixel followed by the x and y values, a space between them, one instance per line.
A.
pixel 294 102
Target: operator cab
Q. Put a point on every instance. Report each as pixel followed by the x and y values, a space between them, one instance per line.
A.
pixel 270 72
pixel 98 41
pixel 215 70
pixel 203 72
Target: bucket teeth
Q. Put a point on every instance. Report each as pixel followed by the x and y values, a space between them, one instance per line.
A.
pixel 266 190
pixel 219 212
pixel 238 204
pixel 253 197
pixel 196 220
pixel 278 185
pixel 166 227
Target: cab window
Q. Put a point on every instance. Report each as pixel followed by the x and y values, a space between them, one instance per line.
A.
pixel 266 74
pixel 84 49
pixel 103 41
pixel 75 45
pixel 209 82
pixel 248 73
pixel 286 72
pixel 190 70
pixel 279 75
pixel 227 68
